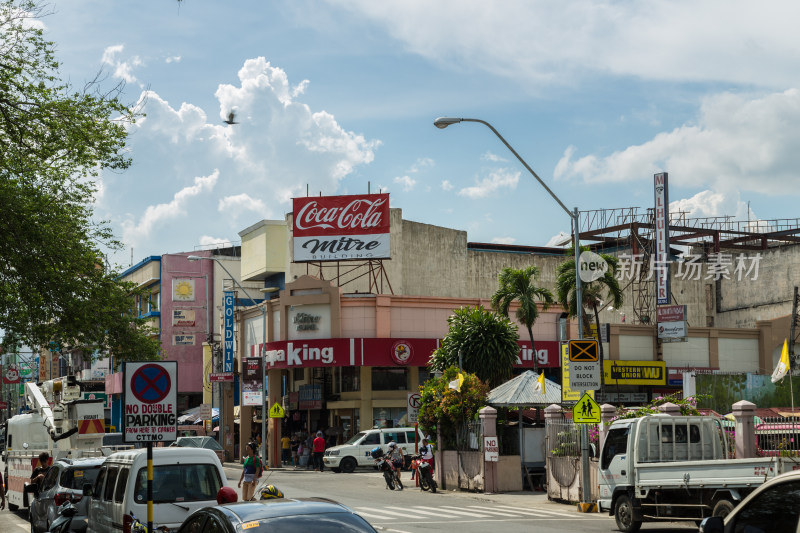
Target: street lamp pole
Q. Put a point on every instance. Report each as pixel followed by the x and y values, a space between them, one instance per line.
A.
pixel 443 122
pixel 263 310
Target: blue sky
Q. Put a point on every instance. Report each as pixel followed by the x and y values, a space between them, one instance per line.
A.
pixel 340 95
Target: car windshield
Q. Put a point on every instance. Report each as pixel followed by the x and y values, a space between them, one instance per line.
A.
pixel 76 478
pixel 318 523
pixel 355 438
pixel 179 483
pixel 198 442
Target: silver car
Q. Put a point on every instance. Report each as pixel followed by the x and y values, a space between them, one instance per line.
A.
pixel 64 482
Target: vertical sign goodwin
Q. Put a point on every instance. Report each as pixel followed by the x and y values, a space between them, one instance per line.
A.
pixel 661 222
pixel 227 340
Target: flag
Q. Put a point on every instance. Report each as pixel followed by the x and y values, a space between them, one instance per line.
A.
pixel 539 386
pixel 783 365
pixel 456 383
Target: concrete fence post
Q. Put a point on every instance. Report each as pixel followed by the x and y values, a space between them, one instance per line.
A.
pixel 488 417
pixel 607 412
pixel 670 409
pixel 743 413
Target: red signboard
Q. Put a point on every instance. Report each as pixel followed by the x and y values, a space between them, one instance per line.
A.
pixel 671 313
pixel 3 405
pixel 220 377
pixel 381 352
pixel 11 374
pixel 340 228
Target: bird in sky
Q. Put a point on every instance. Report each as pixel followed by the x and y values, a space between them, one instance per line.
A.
pixel 231 118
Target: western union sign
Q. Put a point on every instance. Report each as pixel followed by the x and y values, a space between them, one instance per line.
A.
pixel 634 372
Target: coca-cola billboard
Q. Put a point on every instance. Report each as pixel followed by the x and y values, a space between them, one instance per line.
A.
pixel 341 228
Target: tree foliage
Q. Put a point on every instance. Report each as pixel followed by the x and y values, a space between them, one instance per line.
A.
pixel 518 285
pixel 486 341
pixel 445 409
pixel 54 142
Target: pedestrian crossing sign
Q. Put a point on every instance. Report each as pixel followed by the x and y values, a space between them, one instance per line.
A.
pixel 586 411
pixel 276 411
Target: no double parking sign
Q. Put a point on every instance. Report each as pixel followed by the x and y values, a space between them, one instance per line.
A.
pixel 150 401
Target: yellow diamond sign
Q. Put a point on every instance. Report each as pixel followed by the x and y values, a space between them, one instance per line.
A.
pixel 276 411
pixel 586 411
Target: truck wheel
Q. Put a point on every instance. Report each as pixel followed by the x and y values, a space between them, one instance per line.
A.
pixel 348 465
pixel 722 509
pixel 623 513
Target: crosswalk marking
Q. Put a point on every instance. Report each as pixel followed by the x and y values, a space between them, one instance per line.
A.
pixel 451 513
pixel 370 514
pixel 537 510
pixel 456 511
pixel 442 514
pixel 503 512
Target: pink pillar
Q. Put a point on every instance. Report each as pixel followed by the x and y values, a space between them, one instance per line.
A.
pixel 743 413
pixel 607 412
pixel 488 416
pixel 670 409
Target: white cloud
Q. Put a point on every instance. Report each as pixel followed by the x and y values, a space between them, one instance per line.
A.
pixel 497 179
pixel 122 69
pixel 208 241
pixel 157 215
pixel 173 59
pixel 232 205
pixel 504 240
pixel 406 182
pixel 555 42
pixel 446 185
pixel 713 204
pixel 489 156
pixel 735 143
pixel 421 163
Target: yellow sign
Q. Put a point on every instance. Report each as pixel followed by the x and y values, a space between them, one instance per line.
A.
pixel 583 350
pixel 586 411
pixel 276 411
pixel 568 394
pixel 634 372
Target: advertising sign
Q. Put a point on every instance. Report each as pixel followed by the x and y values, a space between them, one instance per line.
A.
pixel 341 228
pixel 227 339
pixel 634 372
pixel 183 340
pixel 150 401
pixel 671 313
pixel 11 374
pixel 97 396
pixel 221 377
pixel 491 449
pixel 251 382
pixel 673 330
pixel 662 238
pixel 183 317
pixel 310 397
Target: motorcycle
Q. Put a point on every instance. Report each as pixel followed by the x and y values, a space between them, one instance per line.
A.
pixel 424 473
pixel 387 469
pixel 65 514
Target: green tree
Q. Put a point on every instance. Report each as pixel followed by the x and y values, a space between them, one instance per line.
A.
pixel 518 285
pixel 54 142
pixel 484 342
pixel 606 288
pixel 447 410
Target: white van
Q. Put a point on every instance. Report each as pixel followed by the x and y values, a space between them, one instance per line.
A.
pixel 184 480
pixel 355 452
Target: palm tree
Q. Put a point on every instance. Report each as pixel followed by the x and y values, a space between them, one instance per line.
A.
pixel 517 285
pixel 593 293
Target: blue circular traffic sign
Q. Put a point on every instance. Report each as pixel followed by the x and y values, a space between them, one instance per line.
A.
pixel 151 383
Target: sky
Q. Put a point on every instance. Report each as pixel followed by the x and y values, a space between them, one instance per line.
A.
pixel 339 97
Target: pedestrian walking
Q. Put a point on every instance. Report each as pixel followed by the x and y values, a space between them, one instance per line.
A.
pixel 251 470
pixel 308 448
pixel 294 445
pixel 318 447
pixel 286 450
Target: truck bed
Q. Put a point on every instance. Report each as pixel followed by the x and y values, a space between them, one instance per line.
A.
pixel 719 473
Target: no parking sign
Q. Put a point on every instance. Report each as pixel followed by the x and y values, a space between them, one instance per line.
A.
pixel 150 401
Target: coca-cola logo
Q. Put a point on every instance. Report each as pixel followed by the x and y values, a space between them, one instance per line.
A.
pixel 342 215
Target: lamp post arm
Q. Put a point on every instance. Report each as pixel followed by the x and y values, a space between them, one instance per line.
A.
pixel 542 183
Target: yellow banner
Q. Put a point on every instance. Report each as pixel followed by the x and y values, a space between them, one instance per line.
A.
pixel 634 372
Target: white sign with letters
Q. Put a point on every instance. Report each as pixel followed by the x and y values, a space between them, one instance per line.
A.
pixel 491 449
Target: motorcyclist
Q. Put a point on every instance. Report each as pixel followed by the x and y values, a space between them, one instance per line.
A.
pixel 396 457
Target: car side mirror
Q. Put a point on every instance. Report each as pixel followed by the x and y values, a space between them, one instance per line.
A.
pixel 712 524
pixel 87 489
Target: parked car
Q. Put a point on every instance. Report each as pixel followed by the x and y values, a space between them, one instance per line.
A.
pixel 201 442
pixel 277 516
pixel 356 451
pixel 772 507
pixel 64 482
pixel 184 480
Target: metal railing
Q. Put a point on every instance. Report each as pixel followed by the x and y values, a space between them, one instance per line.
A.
pixel 778 436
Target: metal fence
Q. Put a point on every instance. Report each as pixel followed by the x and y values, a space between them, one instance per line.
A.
pixel 563 450
pixel 778 436
pixel 468 437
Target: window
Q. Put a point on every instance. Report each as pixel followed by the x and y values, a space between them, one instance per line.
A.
pixel 179 483
pixel 389 378
pixel 410 438
pixel 390 417
pixel 98 486
pixel 122 484
pixel 50 479
pixel 424 376
pixel 213 526
pixel 372 438
pixel 76 478
pixel 775 509
pixel 616 444
pixel 398 436
pixel 349 378
pixel 195 524
pixel 298 374
pixel 111 478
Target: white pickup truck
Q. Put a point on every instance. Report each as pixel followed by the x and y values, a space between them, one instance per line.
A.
pixel 666 468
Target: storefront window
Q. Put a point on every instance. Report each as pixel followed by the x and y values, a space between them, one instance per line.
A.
pixel 347 379
pixel 389 417
pixel 391 378
pixel 424 376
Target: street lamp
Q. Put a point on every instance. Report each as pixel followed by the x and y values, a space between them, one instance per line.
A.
pixel 442 123
pixel 263 310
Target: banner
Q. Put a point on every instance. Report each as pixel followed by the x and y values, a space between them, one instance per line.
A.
pixel 634 372
pixel 661 265
pixel 341 228
pixel 227 339
pixel 252 388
